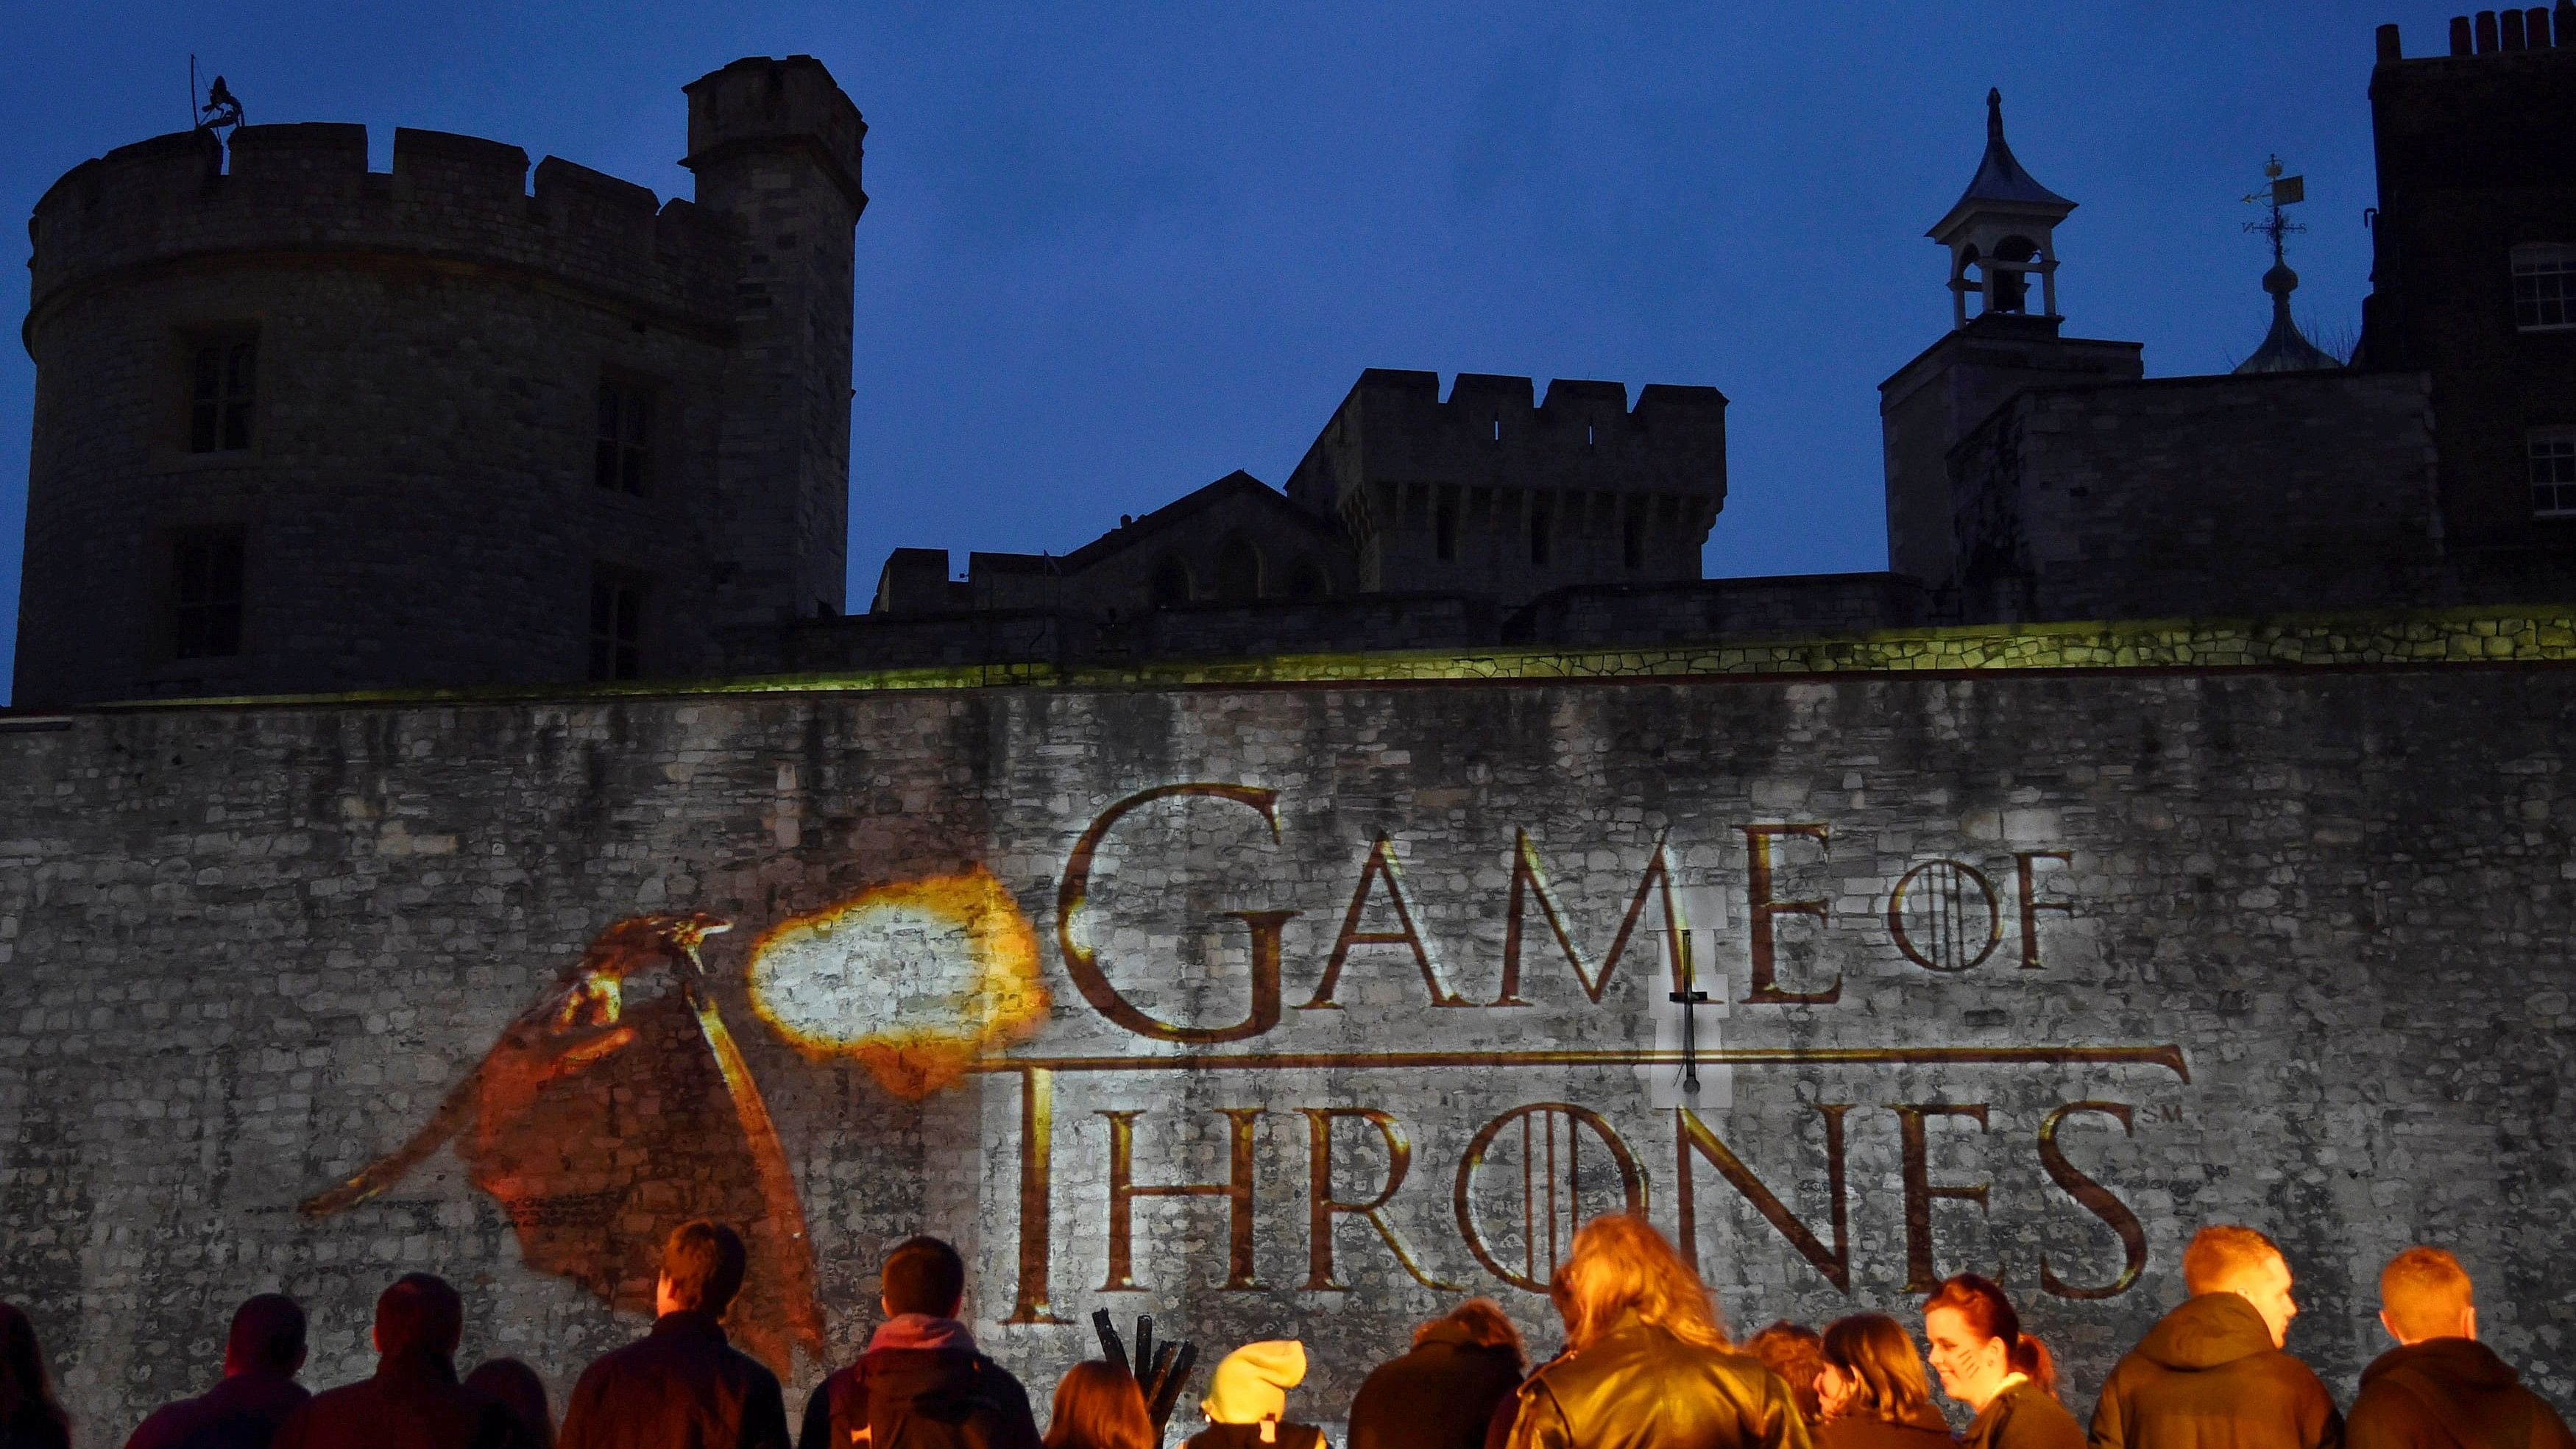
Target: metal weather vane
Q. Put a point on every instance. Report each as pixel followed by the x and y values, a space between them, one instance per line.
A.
pixel 2278 191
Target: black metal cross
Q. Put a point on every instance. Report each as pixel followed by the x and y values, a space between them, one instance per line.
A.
pixel 1688 998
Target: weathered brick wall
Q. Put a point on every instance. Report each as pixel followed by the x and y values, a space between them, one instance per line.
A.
pixel 2307 929
pixel 2199 496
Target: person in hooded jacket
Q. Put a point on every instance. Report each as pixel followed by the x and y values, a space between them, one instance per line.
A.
pixel 1987 1363
pixel 2440 1388
pixel 2212 1374
pixel 1444 1393
pixel 921 1375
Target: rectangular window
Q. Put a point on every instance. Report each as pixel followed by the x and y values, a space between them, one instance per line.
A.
pixel 206 594
pixel 1444 526
pixel 622 459
pixel 1632 540
pixel 616 628
pixel 2544 287
pixel 2552 454
pixel 220 383
pixel 1539 530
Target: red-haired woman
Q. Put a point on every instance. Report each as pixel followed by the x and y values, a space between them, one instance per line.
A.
pixel 1989 1364
pixel 1646 1365
pixel 1098 1406
pixel 1872 1389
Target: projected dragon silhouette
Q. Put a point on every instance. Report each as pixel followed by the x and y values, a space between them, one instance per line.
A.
pixel 619 1104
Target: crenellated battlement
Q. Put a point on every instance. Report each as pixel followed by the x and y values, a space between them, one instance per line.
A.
pixel 1494 430
pixel 306 189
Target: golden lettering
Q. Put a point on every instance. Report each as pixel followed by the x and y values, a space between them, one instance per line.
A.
pixel 1380 866
pixel 1698 1140
pixel 1236 1190
pixel 2030 908
pixel 2095 1199
pixel 1037 1204
pixel 1760 908
pixel 1083 965
pixel 1529 881
pixel 1920 1191
pixel 1322 1208
pixel 1947 920
pixel 1536 1219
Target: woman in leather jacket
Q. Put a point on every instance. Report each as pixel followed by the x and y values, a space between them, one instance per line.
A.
pixel 1647 1365
pixel 1989 1364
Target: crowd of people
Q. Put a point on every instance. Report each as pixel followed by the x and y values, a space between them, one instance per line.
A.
pixel 1647 1364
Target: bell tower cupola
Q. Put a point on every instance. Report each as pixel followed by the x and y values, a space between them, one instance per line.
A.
pixel 2001 235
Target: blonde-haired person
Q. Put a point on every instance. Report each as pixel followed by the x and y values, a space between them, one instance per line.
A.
pixel 1987 1363
pixel 2212 1371
pixel 1099 1406
pixel 1647 1365
pixel 1872 1390
pixel 2440 1386
pixel 1247 1400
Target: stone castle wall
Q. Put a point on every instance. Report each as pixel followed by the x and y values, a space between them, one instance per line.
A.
pixel 2066 962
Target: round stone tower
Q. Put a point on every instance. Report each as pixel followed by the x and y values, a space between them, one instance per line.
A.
pixel 304 427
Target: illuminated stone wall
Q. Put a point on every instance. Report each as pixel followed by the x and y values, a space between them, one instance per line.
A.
pixel 2063 961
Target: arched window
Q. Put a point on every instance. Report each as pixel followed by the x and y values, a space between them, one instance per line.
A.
pixel 1171 583
pixel 2010 289
pixel 1238 569
pixel 1309 581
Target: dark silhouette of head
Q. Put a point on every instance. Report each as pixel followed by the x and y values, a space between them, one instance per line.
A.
pixel 1482 1323
pixel 26 1390
pixel 515 1386
pixel 925 1275
pixel 419 1315
pixel 702 1268
pixel 267 1337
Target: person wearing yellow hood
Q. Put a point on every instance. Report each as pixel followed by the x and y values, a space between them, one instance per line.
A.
pixel 1247 1400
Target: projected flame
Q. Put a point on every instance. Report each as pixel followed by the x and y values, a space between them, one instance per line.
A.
pixel 917 980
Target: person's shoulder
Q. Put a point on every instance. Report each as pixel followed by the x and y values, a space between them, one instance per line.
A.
pixel 2293 1370
pixel 751 1371
pixel 164 1426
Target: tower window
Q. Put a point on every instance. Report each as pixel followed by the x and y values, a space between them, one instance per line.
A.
pixel 2544 287
pixel 1171 583
pixel 219 395
pixel 622 459
pixel 2552 454
pixel 1539 529
pixel 616 628
pixel 1632 540
pixel 1238 570
pixel 206 594
pixel 1444 527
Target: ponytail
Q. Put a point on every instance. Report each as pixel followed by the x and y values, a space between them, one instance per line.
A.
pixel 1990 1314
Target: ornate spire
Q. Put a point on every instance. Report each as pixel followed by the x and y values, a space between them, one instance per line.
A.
pixel 2000 177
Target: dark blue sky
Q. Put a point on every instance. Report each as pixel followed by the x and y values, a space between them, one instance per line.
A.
pixel 1110 257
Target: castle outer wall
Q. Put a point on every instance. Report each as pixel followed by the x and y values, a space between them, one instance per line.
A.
pixel 2023 970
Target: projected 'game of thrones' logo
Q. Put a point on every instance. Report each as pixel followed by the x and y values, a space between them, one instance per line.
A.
pixel 1355 1100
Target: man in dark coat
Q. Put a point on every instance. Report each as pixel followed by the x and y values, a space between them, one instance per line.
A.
pixel 262 1354
pixel 921 1381
pixel 2440 1388
pixel 682 1386
pixel 1443 1394
pixel 414 1401
pixel 2212 1375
